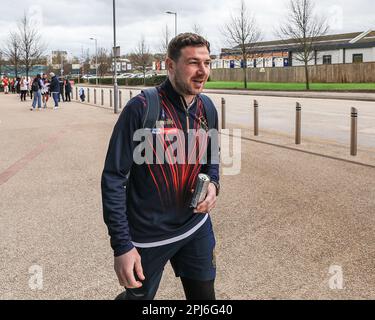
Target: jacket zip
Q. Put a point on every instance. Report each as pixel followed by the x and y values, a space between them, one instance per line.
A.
pixel 187 114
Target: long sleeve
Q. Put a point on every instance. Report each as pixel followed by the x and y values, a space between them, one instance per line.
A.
pixel 115 176
pixel 211 168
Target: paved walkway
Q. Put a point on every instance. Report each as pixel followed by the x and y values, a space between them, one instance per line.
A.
pixel 281 224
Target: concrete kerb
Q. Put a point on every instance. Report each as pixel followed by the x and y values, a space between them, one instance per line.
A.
pixel 336 95
pixel 351 96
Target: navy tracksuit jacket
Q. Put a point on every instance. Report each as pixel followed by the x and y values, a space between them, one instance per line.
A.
pixel 148 203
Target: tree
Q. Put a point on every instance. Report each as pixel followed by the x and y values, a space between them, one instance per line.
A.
pixel 304 28
pixel 104 62
pixel 31 45
pixel 141 58
pixel 12 51
pixel 197 29
pixel 165 42
pixel 242 33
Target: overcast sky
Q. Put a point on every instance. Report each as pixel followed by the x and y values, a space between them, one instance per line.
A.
pixel 68 24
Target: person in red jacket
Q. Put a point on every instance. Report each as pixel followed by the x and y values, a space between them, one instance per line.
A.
pixel 6 85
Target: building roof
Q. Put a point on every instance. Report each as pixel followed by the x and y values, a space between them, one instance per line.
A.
pixel 337 41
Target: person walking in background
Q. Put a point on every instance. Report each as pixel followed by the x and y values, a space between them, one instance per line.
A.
pixel 68 90
pixel 24 86
pixel 36 88
pixel 13 85
pixel 6 85
pixel 18 85
pixel 45 90
pixel 55 89
pixel 82 94
pixel 30 90
pixel 61 89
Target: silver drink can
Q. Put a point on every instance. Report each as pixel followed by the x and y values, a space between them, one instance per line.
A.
pixel 200 190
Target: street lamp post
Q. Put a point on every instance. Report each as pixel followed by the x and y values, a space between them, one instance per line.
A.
pixel 96 58
pixel 115 86
pixel 62 64
pixel 175 21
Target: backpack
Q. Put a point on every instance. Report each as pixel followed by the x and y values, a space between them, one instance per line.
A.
pixel 153 108
pixel 35 86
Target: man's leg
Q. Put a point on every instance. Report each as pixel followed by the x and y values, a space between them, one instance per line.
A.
pixel 39 96
pixel 198 290
pixel 195 264
pixel 55 99
pixel 153 261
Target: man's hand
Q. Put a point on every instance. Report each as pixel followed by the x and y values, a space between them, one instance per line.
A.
pixel 209 203
pixel 126 265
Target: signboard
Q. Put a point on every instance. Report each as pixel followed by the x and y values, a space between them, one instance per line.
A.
pixel 116 52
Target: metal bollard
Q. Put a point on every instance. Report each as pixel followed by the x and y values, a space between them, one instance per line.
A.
pixel 223 113
pixel 110 98
pixel 94 96
pixel 77 93
pixel 88 95
pixel 298 123
pixel 131 95
pixel 256 118
pixel 120 99
pixel 102 97
pixel 354 132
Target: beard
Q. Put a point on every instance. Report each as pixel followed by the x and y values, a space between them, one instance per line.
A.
pixel 183 87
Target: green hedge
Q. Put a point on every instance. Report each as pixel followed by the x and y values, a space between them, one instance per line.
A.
pixel 154 81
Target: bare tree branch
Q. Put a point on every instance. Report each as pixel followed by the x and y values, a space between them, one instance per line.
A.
pixel 166 36
pixel 197 29
pixel 31 44
pixel 141 58
pixel 12 51
pixel 304 28
pixel 104 62
pixel 243 33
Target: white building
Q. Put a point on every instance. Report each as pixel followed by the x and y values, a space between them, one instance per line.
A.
pixel 345 48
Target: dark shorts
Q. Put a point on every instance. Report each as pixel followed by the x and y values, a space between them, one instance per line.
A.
pixel 191 258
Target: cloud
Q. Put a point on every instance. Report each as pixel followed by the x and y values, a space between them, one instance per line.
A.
pixel 69 24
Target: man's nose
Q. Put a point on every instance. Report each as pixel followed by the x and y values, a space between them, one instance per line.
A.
pixel 202 69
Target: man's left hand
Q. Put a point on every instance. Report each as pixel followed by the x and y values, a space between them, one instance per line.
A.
pixel 209 203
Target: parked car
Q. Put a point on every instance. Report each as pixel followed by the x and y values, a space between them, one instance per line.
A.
pixel 125 75
pixel 88 76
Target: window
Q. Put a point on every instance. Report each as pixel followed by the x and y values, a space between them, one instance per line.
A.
pixel 327 59
pixel 358 58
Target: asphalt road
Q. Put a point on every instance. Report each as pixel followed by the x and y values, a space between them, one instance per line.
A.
pixel 327 119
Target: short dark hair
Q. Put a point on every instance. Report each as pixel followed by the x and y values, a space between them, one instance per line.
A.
pixel 185 40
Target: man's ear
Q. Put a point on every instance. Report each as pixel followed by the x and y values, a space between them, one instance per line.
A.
pixel 170 65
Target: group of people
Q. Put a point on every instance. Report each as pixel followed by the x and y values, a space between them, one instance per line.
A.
pixel 39 89
pixel 11 85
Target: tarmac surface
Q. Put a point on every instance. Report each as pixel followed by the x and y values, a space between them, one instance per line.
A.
pixel 290 217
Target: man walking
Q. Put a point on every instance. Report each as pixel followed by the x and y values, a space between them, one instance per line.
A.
pixel 55 89
pixel 36 87
pixel 68 90
pixel 146 206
